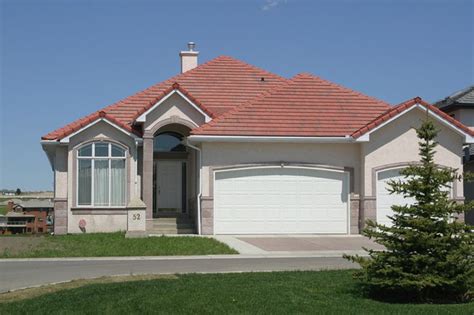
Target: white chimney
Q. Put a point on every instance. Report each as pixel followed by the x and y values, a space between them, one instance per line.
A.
pixel 189 59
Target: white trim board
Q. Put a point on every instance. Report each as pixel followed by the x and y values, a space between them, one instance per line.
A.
pixel 128 133
pixel 142 117
pixel 467 138
pixel 198 138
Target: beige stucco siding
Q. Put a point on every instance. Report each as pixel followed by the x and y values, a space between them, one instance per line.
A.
pixel 397 143
pixel 60 172
pixel 230 154
pixel 466 116
pixel 98 222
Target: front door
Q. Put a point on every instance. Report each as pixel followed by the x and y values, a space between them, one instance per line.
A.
pixel 169 192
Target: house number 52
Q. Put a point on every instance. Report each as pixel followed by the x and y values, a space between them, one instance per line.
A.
pixel 136 217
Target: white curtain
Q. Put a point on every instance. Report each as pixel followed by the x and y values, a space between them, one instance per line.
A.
pixel 101 183
pixel 84 182
pixel 117 179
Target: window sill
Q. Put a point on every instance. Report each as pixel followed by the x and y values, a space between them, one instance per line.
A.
pixel 98 208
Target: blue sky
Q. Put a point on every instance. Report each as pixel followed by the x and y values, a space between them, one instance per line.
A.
pixel 61 60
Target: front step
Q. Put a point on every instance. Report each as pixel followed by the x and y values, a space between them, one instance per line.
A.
pixel 179 224
pixel 170 231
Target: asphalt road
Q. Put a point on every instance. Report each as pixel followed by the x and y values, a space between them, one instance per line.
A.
pixel 17 274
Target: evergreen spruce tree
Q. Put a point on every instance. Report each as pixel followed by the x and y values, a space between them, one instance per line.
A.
pixel 429 256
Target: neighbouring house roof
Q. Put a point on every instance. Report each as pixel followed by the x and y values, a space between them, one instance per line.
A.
pixel 216 86
pixel 13 214
pixel 36 203
pixel 463 98
pixel 305 105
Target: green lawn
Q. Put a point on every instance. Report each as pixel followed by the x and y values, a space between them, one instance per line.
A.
pixel 109 244
pixel 3 209
pixel 327 292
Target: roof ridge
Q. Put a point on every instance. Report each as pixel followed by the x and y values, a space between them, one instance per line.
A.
pixel 173 80
pixel 154 92
pixel 245 104
pixel 344 88
pixel 165 82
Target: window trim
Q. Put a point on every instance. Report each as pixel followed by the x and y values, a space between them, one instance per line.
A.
pixel 92 158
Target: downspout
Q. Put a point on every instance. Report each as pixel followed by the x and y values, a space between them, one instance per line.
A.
pixel 199 184
pixel 137 191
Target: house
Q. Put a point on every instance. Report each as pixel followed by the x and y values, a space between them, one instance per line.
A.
pixel 460 105
pixel 229 148
pixel 27 216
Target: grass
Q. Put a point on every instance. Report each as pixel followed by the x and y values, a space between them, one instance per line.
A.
pixel 327 292
pixel 115 244
pixel 3 209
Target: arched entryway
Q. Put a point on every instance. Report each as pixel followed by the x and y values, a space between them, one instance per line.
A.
pixel 173 169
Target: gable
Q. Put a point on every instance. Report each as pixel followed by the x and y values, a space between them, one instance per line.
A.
pixel 398 137
pixel 394 114
pixel 174 106
pixel 101 129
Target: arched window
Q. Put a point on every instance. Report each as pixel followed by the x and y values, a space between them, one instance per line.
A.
pixel 101 175
pixel 168 142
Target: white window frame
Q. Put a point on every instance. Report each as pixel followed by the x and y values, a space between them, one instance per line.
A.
pixel 92 158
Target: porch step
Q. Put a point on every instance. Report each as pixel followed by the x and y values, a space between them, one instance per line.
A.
pixel 171 231
pixel 176 224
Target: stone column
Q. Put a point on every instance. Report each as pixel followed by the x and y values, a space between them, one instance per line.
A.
pixel 60 216
pixel 355 214
pixel 207 215
pixel 369 210
pixel 136 218
pixel 147 176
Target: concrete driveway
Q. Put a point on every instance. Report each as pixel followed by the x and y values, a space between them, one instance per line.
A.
pixel 270 245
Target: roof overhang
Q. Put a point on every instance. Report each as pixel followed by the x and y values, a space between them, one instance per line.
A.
pixel 209 138
pixel 467 137
pixel 142 117
pixel 98 120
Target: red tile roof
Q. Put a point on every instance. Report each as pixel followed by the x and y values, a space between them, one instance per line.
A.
pixel 216 86
pixel 247 101
pixel 394 111
pixel 305 105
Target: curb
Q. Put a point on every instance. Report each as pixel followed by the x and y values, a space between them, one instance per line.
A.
pixel 275 255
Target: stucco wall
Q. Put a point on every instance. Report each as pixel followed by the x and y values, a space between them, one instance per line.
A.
pixel 98 222
pixel 397 143
pixel 60 172
pixel 466 116
pixel 228 154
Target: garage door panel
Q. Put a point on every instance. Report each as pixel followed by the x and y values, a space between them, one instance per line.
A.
pixel 280 200
pixel 385 200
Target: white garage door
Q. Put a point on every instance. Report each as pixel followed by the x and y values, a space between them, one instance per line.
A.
pixel 385 200
pixel 276 200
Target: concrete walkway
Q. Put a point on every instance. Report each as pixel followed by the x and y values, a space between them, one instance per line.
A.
pixel 21 273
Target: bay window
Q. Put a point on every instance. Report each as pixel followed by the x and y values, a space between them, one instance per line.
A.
pixel 101 175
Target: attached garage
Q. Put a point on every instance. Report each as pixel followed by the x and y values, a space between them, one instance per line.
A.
pixel 385 200
pixel 281 200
